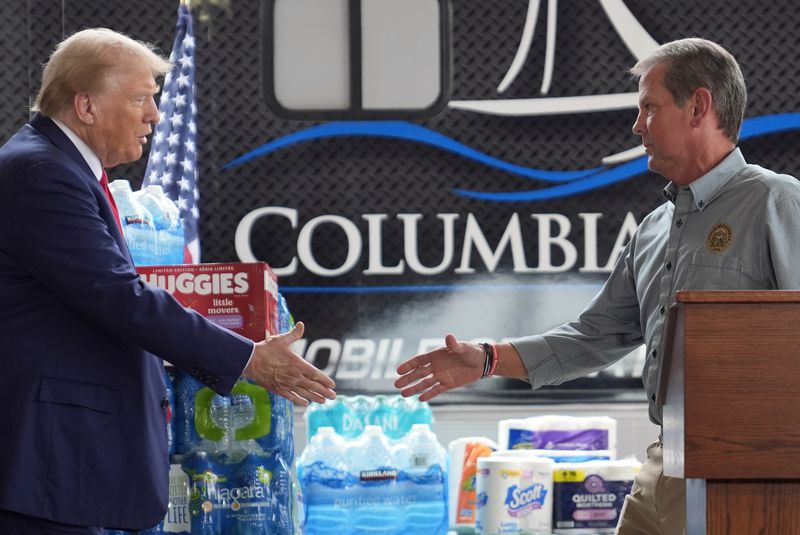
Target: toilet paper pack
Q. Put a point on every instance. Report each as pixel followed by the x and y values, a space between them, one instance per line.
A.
pixel 555 432
pixel 588 496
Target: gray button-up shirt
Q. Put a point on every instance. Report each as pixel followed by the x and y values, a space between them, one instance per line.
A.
pixel 735 228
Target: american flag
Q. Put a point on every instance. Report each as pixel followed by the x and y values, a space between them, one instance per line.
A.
pixel 173 155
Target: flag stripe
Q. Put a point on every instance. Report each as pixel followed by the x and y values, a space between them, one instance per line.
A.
pixel 173 154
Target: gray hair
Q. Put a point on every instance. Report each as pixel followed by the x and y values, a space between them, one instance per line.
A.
pixel 693 63
pixel 84 62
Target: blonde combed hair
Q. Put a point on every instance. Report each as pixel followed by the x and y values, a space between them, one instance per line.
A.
pixel 85 61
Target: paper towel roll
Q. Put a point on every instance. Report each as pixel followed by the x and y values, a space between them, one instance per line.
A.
pixel 515 495
pixel 456 450
pixel 554 432
pixel 588 497
pixel 559 456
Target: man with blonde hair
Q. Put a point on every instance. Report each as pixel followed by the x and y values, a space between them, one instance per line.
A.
pixel 84 401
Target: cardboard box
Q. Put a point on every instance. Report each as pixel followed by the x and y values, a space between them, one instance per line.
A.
pixel 242 297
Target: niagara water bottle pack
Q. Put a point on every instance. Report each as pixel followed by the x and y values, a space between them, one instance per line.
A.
pixel 373 465
pixel 235 453
pixel 238 462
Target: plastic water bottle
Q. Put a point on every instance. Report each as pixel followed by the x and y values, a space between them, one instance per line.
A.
pixel 178 519
pixel 137 223
pixel 282 495
pixel 186 390
pixel 355 420
pixel 375 492
pixel 331 414
pixel 173 226
pixel 383 413
pixel 427 482
pixel 246 497
pixel 204 506
pixel 285 320
pixel 279 430
pixel 168 246
pixel 324 478
pixel 232 413
pixel 415 412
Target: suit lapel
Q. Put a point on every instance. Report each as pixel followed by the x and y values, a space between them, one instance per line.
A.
pixel 47 127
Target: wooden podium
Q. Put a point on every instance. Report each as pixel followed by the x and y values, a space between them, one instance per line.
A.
pixel 730 390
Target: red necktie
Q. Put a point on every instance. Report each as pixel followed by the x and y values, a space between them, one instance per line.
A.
pixel 104 183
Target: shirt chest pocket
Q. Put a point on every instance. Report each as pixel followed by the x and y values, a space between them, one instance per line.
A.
pixel 714 272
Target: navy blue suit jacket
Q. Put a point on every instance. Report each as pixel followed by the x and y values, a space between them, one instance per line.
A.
pixel 84 438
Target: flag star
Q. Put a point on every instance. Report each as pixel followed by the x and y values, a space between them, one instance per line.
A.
pixel 173 147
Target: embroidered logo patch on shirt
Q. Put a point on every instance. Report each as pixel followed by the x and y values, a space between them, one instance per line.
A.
pixel 719 238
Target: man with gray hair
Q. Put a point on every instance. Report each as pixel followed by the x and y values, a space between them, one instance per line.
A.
pixel 82 386
pixel 725 225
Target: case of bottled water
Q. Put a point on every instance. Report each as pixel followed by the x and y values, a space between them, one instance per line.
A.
pixel 349 415
pixel 373 484
pixel 137 223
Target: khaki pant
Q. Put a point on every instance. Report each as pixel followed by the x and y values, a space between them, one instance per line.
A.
pixel 656 504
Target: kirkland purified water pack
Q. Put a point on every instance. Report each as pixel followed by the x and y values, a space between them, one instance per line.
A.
pixel 371 484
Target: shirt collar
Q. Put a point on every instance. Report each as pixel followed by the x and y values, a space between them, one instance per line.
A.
pixel 91 158
pixel 705 189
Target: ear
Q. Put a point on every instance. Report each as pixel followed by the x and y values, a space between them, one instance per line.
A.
pixel 85 108
pixel 701 105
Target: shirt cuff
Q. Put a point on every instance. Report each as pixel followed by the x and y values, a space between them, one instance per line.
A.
pixel 252 354
pixel 539 360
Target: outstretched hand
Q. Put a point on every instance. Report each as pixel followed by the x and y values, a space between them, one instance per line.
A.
pixel 280 370
pixel 432 373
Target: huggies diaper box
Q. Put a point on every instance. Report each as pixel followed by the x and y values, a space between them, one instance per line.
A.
pixel 240 296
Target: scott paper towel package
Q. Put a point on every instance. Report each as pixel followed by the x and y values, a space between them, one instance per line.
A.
pixel 553 432
pixel 588 496
pixel 514 495
pixel 464 454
